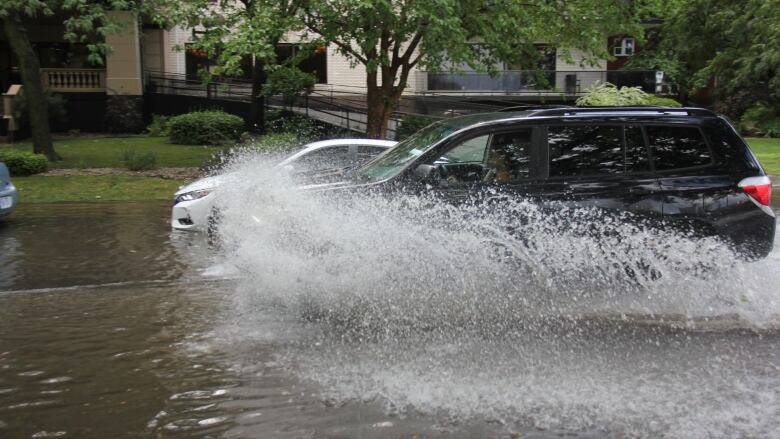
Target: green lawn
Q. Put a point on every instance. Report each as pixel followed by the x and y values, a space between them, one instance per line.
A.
pixel 40 189
pixel 106 152
pixel 768 153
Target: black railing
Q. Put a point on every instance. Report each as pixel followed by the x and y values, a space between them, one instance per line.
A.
pixel 536 81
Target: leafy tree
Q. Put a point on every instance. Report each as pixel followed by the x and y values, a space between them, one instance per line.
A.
pixel 729 46
pixel 86 22
pixel 391 37
pixel 230 31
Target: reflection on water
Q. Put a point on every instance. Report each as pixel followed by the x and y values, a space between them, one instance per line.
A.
pixel 179 345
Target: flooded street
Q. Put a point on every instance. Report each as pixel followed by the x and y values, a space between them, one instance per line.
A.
pixel 113 326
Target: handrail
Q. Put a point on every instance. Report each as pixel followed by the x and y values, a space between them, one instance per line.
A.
pixel 74 80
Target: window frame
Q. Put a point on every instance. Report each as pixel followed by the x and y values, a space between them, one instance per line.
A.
pixel 620 49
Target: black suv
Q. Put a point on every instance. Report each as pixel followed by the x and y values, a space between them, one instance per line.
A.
pixel 681 166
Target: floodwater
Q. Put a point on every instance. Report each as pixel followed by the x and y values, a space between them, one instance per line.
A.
pixel 113 326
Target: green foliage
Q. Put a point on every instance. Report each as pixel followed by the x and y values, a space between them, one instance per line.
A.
pixel 289 82
pixel 23 163
pixel 124 114
pixel 139 161
pixel 160 126
pixel 732 42
pixel 662 101
pixel 278 142
pixel 608 95
pixel 412 123
pixel 304 128
pixel 205 128
pixel 760 119
pixel 54 102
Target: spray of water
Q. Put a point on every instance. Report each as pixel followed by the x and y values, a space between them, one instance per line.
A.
pixel 563 319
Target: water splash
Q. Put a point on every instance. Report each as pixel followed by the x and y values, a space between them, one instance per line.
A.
pixel 568 319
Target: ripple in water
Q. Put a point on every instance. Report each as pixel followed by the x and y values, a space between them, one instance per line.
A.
pixel 572 320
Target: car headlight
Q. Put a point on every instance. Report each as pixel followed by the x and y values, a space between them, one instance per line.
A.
pixel 194 195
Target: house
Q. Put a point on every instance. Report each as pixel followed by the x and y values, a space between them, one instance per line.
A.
pixel 120 94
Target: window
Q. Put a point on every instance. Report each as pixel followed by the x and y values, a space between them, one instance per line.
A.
pixel 314 62
pixel 490 157
pixel 509 156
pixel 325 158
pixel 367 152
pixel 623 47
pixel 586 150
pixel 636 151
pixel 676 147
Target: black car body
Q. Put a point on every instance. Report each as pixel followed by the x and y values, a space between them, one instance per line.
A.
pixel 685 167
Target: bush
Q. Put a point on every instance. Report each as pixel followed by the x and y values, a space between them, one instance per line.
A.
pixel 410 124
pixel 139 161
pixel 278 142
pixel 760 120
pixel 160 126
pixel 205 128
pixel 608 95
pixel 662 102
pixel 23 163
pixel 287 122
pixel 289 82
pixel 769 128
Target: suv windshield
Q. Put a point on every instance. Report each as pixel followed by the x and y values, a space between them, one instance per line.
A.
pixel 396 159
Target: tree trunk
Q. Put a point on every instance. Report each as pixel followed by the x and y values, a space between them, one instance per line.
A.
pixel 257 111
pixel 381 99
pixel 29 68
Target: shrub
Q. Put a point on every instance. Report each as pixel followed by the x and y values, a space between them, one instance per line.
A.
pixel 759 120
pixel 278 142
pixel 410 124
pixel 124 114
pixel 139 161
pixel 769 128
pixel 23 163
pixel 160 126
pixel 205 128
pixel 289 82
pixel 305 128
pixel 662 102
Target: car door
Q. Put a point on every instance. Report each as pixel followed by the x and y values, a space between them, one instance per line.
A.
pixel 604 166
pixel 692 187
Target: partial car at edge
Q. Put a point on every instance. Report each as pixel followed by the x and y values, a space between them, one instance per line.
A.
pixel 8 195
pixel 193 204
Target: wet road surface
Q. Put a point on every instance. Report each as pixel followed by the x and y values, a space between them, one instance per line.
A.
pixel 112 326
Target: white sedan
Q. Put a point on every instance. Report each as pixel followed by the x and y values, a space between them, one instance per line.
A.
pixel 193 204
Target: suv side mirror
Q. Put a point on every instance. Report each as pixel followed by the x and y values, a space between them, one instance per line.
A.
pixel 428 174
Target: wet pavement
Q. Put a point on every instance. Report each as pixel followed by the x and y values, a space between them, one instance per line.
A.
pixel 113 326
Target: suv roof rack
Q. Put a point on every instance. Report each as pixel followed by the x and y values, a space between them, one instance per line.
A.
pixel 628 111
pixel 533 107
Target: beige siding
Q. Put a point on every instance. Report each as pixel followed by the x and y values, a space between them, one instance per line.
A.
pixel 123 65
pixel 153 50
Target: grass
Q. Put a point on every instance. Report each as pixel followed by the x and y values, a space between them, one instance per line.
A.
pixel 107 152
pixel 768 153
pixel 78 188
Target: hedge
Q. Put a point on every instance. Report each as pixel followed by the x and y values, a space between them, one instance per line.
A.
pixel 23 163
pixel 205 128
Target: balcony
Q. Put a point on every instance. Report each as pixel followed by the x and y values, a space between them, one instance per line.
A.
pixel 538 82
pixel 74 80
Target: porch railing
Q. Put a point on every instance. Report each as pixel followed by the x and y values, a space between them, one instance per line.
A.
pixel 74 80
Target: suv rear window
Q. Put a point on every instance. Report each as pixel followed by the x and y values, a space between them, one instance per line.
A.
pixel 676 147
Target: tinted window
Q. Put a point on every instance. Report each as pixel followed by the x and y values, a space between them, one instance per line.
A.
pixel 636 150
pixel 676 147
pixel 325 158
pixel 509 155
pixel 585 150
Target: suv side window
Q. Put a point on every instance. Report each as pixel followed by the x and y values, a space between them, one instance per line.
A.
pixel 677 147
pixel 585 150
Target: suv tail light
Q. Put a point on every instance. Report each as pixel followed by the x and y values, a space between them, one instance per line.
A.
pixel 758 188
